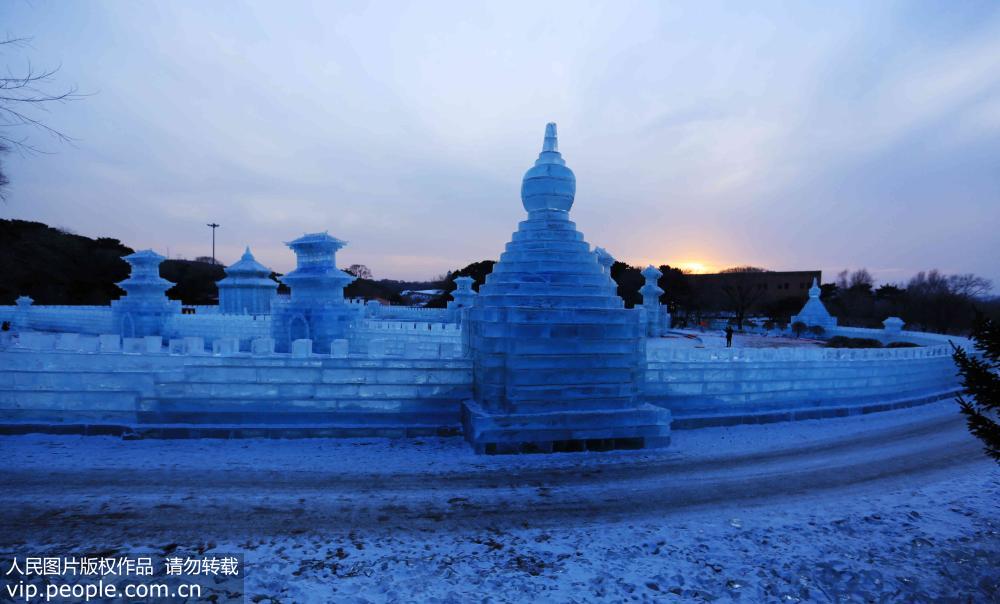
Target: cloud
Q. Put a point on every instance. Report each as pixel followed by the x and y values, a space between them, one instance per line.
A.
pixel 787 136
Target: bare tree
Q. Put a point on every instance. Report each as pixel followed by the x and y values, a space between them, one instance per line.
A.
pixel 360 271
pixel 859 279
pixel 741 291
pixel 23 95
pixel 969 285
pixel 745 269
pixel 941 302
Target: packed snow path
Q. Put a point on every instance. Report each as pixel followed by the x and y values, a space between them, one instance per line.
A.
pixel 775 488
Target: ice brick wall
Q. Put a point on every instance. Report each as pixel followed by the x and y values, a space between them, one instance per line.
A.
pixel 216 326
pixel 62 388
pixel 396 335
pixel 409 313
pixel 750 385
pixel 335 394
pixel 79 319
pixel 400 395
pixel 164 394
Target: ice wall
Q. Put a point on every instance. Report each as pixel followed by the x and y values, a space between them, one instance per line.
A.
pixel 225 395
pixel 722 386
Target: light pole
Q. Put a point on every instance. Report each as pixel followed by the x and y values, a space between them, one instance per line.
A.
pixel 214 226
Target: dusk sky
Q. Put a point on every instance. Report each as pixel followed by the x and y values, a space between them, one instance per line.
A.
pixel 788 136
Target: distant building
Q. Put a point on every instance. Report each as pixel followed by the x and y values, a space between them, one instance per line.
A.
pixel 718 290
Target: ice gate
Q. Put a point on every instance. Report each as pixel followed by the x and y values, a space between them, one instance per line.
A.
pixel 544 358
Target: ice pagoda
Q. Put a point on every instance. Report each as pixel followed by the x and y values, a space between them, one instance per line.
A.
pixel 556 355
pixel 248 288
pixel 814 312
pixel 317 310
pixel 144 308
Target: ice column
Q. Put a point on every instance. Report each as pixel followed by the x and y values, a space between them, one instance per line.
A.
pixel 21 320
pixel 651 293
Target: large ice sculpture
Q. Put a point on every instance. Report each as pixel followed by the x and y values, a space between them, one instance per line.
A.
pixel 145 307
pixel 814 312
pixel 317 310
pixel 556 355
pixel 247 288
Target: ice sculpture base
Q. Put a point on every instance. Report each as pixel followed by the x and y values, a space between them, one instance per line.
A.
pixel 642 427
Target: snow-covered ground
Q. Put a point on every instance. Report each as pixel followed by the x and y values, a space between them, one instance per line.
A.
pixel 897 506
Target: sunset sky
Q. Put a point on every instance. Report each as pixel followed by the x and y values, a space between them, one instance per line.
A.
pixel 790 136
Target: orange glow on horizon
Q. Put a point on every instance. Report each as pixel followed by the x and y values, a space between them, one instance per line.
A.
pixel 696 267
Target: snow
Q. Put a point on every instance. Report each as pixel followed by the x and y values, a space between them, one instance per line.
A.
pixel 897 506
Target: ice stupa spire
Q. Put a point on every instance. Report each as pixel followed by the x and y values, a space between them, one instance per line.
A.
pixel 550 147
pixel 551 138
pixel 549 184
pixel 814 291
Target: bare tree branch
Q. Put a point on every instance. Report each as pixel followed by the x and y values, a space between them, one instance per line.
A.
pixel 22 94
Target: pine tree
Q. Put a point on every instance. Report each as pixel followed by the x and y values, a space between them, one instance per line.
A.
pixel 980 401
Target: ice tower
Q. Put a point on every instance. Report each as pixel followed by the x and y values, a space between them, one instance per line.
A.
pixel 557 357
pixel 144 308
pixel 317 310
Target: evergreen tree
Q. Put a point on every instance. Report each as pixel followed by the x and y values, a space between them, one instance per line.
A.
pixel 980 401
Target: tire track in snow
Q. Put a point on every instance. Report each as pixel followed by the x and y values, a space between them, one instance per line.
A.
pixel 173 503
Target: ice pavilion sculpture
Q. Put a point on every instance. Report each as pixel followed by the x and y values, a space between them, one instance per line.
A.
pixel 317 310
pixel 814 312
pixel 145 307
pixel 464 295
pixel 556 356
pixel 248 288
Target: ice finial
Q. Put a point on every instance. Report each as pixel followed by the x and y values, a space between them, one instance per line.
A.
pixel 247 255
pixel 551 138
pixel 549 185
pixel 814 291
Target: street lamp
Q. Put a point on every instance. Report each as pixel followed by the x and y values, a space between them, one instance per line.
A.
pixel 214 226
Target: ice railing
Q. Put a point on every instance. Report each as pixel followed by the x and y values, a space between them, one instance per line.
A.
pixel 217 326
pixel 417 327
pixel 203 309
pixel 691 355
pixel 376 348
pixel 922 338
pixel 414 313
